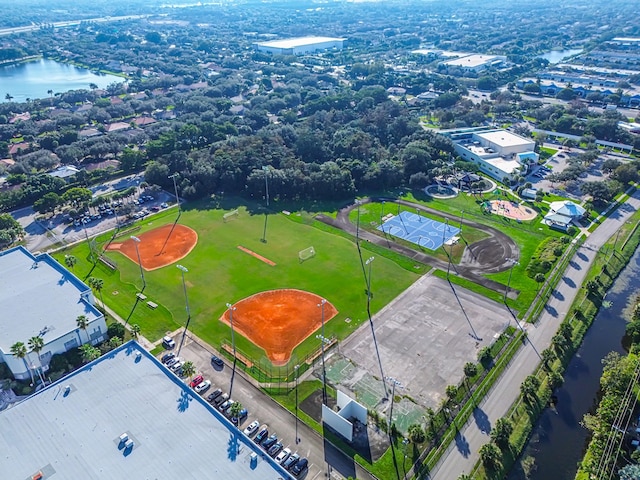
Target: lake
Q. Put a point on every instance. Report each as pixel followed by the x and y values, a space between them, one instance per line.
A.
pixel 34 79
pixel 556 56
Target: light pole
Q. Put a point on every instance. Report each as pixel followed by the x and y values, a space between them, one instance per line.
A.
pixel 513 264
pixel 373 332
pixel 184 270
pixel 265 169
pixel 295 369
pixel 323 339
pixel 233 342
pixel 175 187
pixel 136 241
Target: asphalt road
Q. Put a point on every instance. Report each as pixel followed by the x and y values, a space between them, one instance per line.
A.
pixel 463 453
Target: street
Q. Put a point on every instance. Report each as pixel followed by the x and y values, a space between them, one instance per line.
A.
pixel 464 452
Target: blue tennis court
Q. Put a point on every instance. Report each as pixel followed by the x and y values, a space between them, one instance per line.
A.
pixel 420 230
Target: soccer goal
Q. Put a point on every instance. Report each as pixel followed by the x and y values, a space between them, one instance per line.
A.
pixel 229 215
pixel 306 254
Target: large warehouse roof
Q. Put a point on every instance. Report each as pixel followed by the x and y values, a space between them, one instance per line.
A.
pixel 298 42
pixel 504 139
pixel 38 296
pixel 73 428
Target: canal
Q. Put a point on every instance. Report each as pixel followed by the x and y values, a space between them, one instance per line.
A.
pixel 558 440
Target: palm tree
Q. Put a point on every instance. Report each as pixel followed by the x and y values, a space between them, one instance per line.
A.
pixel 470 371
pixel 491 456
pixel 19 350
pixel 50 92
pixel 135 330
pixel 501 431
pixel 36 344
pixel 8 97
pixel 89 352
pixel 70 261
pixel 83 322
pixel 188 369
pixel 97 284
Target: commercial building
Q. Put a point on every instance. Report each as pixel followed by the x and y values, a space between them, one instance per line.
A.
pixel 300 46
pixel 125 415
pixel 40 297
pixel 563 213
pixel 466 62
pixel 498 153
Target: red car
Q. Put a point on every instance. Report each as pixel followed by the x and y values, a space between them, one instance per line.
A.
pixel 196 381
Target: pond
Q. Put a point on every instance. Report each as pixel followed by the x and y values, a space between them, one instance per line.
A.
pixel 35 79
pixel 556 56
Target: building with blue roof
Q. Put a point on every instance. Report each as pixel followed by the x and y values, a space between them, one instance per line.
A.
pixel 126 416
pixel 40 297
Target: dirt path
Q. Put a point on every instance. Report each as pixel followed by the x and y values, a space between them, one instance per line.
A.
pixel 490 255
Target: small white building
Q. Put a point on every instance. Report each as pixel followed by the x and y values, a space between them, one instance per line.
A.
pixel 40 297
pixel 498 153
pixel 300 46
pixel 348 414
pixel 64 171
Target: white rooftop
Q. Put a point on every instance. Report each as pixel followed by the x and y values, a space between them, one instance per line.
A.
pixel 298 42
pixel 471 61
pixel 504 165
pixel 37 292
pixel 75 434
pixel 504 138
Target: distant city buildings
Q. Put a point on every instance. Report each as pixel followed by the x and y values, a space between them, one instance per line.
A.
pixel 300 46
pixel 465 62
pixel 498 153
pixel 39 297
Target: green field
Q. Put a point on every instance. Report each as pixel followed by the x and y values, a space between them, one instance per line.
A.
pixel 219 273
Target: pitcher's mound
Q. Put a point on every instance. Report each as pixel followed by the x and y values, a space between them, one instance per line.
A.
pixel 279 320
pixel 159 247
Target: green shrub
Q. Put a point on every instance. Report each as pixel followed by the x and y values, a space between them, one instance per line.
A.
pixel 116 329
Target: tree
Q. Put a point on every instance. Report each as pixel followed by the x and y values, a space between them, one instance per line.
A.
pixel 89 353
pixel 416 433
pixel 451 392
pixel 235 410
pixel 135 330
pixel 77 195
pixel 501 431
pixel 491 457
pixel 539 278
pixel 630 472
pixel 548 356
pixel 114 342
pixel 36 344
pixel 19 350
pixel 82 323
pixel 70 261
pixel 188 369
pixel 593 288
pixel 97 284
pixel 470 370
pixel 529 388
pixel 47 203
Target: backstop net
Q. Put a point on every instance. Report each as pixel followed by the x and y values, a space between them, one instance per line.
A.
pixel 306 254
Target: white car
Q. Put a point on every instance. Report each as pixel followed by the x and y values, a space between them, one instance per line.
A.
pixel 283 455
pixel 252 428
pixel 168 342
pixel 202 386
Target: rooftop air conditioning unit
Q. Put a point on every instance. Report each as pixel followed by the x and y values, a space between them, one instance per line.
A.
pixel 123 438
pixel 138 356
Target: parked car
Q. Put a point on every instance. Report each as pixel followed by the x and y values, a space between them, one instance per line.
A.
pixel 275 449
pixel 226 404
pixel 163 205
pixel 221 399
pixel 262 434
pixel 241 416
pixel 215 394
pixel 203 386
pixel 217 361
pixel 291 461
pixel 252 428
pixel 300 466
pixel 227 409
pixel 176 366
pixel 168 342
pixel 283 455
pixel 197 380
pixel 168 356
pixel 170 363
pixel 268 442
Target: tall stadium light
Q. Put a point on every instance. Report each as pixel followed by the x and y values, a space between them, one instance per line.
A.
pixel 394 384
pixel 184 270
pixel 373 331
pixel 514 262
pixel 175 187
pixel 233 341
pixel 265 169
pixel 368 263
pixel 323 339
pixel 295 369
pixel 136 241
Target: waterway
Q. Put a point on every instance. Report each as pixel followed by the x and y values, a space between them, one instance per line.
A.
pixel 556 56
pixel 35 79
pixel 559 441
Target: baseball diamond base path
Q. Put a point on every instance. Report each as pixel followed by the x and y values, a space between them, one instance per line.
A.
pixel 279 320
pixel 177 240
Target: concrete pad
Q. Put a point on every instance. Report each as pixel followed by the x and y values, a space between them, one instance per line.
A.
pixel 426 335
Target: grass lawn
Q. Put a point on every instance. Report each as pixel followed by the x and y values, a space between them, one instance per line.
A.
pixel 527 236
pixel 219 273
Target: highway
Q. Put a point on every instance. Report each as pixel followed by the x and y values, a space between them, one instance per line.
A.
pixel 463 454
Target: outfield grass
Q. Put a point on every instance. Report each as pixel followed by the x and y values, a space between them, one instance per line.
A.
pixel 219 273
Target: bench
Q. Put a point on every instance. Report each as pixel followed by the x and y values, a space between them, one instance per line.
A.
pixel 152 305
pixel 239 356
